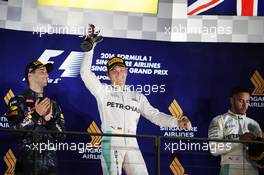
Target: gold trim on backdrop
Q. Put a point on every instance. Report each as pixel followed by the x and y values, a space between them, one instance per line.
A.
pixel 176 167
pixel 258 82
pixel 8 96
pixel 175 109
pixel 10 161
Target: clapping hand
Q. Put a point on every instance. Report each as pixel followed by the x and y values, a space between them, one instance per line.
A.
pixel 42 107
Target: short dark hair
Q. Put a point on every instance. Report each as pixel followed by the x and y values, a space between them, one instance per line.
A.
pixel 238 89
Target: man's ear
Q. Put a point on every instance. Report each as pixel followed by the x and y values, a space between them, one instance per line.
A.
pixel 29 75
pixel 231 99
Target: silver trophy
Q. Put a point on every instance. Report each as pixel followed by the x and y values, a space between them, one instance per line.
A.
pixel 91 38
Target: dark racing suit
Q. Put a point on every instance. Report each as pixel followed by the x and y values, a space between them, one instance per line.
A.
pixel 22 115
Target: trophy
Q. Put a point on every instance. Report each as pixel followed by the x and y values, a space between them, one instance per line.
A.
pixel 91 38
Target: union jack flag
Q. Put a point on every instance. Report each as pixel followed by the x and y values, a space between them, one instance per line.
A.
pixel 226 7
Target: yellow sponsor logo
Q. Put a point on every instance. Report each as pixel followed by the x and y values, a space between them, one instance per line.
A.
pixel 93 128
pixel 176 167
pixel 10 161
pixel 12 108
pixel 8 96
pixel 115 60
pixel 175 109
pixel 29 116
pixel 140 6
pixel 258 83
pixel 62 116
pixel 37 63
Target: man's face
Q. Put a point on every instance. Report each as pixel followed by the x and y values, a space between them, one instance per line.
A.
pixel 240 103
pixel 118 75
pixel 39 77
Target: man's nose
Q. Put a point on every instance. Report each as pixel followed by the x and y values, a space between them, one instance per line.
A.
pixel 47 75
pixel 118 71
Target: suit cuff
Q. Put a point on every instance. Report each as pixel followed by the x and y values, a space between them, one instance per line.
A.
pixel 35 116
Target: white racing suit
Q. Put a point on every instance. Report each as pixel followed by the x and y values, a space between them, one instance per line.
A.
pixel 119 113
pixel 234 156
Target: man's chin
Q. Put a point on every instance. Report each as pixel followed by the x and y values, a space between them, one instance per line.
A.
pixel 45 84
pixel 242 112
pixel 120 83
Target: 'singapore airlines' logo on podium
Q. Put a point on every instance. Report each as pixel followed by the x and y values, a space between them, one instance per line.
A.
pixel 176 167
pixel 10 161
pixel 258 83
pixel 93 150
pixel 175 109
pixel 93 128
pixel 257 96
pixel 177 112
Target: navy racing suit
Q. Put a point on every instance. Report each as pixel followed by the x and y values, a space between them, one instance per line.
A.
pixel 22 115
